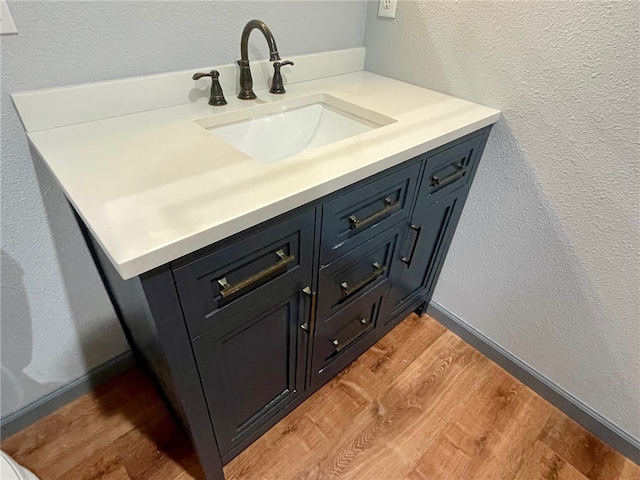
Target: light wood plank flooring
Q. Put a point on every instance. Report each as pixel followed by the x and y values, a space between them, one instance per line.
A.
pixel 420 405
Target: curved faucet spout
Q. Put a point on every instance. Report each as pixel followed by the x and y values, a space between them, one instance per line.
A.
pixel 246 82
pixel 266 31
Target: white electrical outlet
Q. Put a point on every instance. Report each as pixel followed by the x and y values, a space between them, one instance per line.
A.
pixel 6 20
pixel 387 8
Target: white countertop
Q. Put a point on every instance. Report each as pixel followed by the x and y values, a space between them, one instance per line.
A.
pixel 154 186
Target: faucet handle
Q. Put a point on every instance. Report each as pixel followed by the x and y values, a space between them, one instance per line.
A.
pixel 277 85
pixel 216 96
pixel 213 74
pixel 277 65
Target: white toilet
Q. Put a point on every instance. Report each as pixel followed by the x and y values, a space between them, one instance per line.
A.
pixel 10 470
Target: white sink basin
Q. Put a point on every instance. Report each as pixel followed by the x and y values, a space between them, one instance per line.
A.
pixel 272 132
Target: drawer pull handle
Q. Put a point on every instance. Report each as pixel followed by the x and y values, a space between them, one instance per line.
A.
pixel 341 346
pixel 310 327
pixel 227 289
pixel 441 182
pixel 390 206
pixel 378 270
pixel 409 259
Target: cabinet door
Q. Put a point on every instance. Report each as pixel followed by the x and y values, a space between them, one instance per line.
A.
pixel 413 268
pixel 255 365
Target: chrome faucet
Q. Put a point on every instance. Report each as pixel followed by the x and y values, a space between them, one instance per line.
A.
pixel 246 82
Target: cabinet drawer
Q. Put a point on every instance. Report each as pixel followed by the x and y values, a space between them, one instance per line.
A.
pixel 448 170
pixel 356 273
pixel 357 216
pixel 340 339
pixel 225 282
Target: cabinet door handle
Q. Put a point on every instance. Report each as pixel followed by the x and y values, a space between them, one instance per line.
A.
pixel 390 206
pixel 227 289
pixel 309 327
pixel 378 270
pixel 441 182
pixel 339 346
pixel 408 260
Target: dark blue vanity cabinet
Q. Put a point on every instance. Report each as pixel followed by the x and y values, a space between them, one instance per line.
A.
pixel 241 332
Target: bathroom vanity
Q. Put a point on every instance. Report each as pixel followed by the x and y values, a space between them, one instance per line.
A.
pixel 245 280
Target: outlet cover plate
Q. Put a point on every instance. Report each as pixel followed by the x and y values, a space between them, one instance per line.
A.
pixel 387 8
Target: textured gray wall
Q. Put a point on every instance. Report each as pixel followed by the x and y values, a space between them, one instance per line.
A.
pixel 546 258
pixel 57 321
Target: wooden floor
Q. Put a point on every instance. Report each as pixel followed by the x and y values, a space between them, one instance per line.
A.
pixel 419 405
